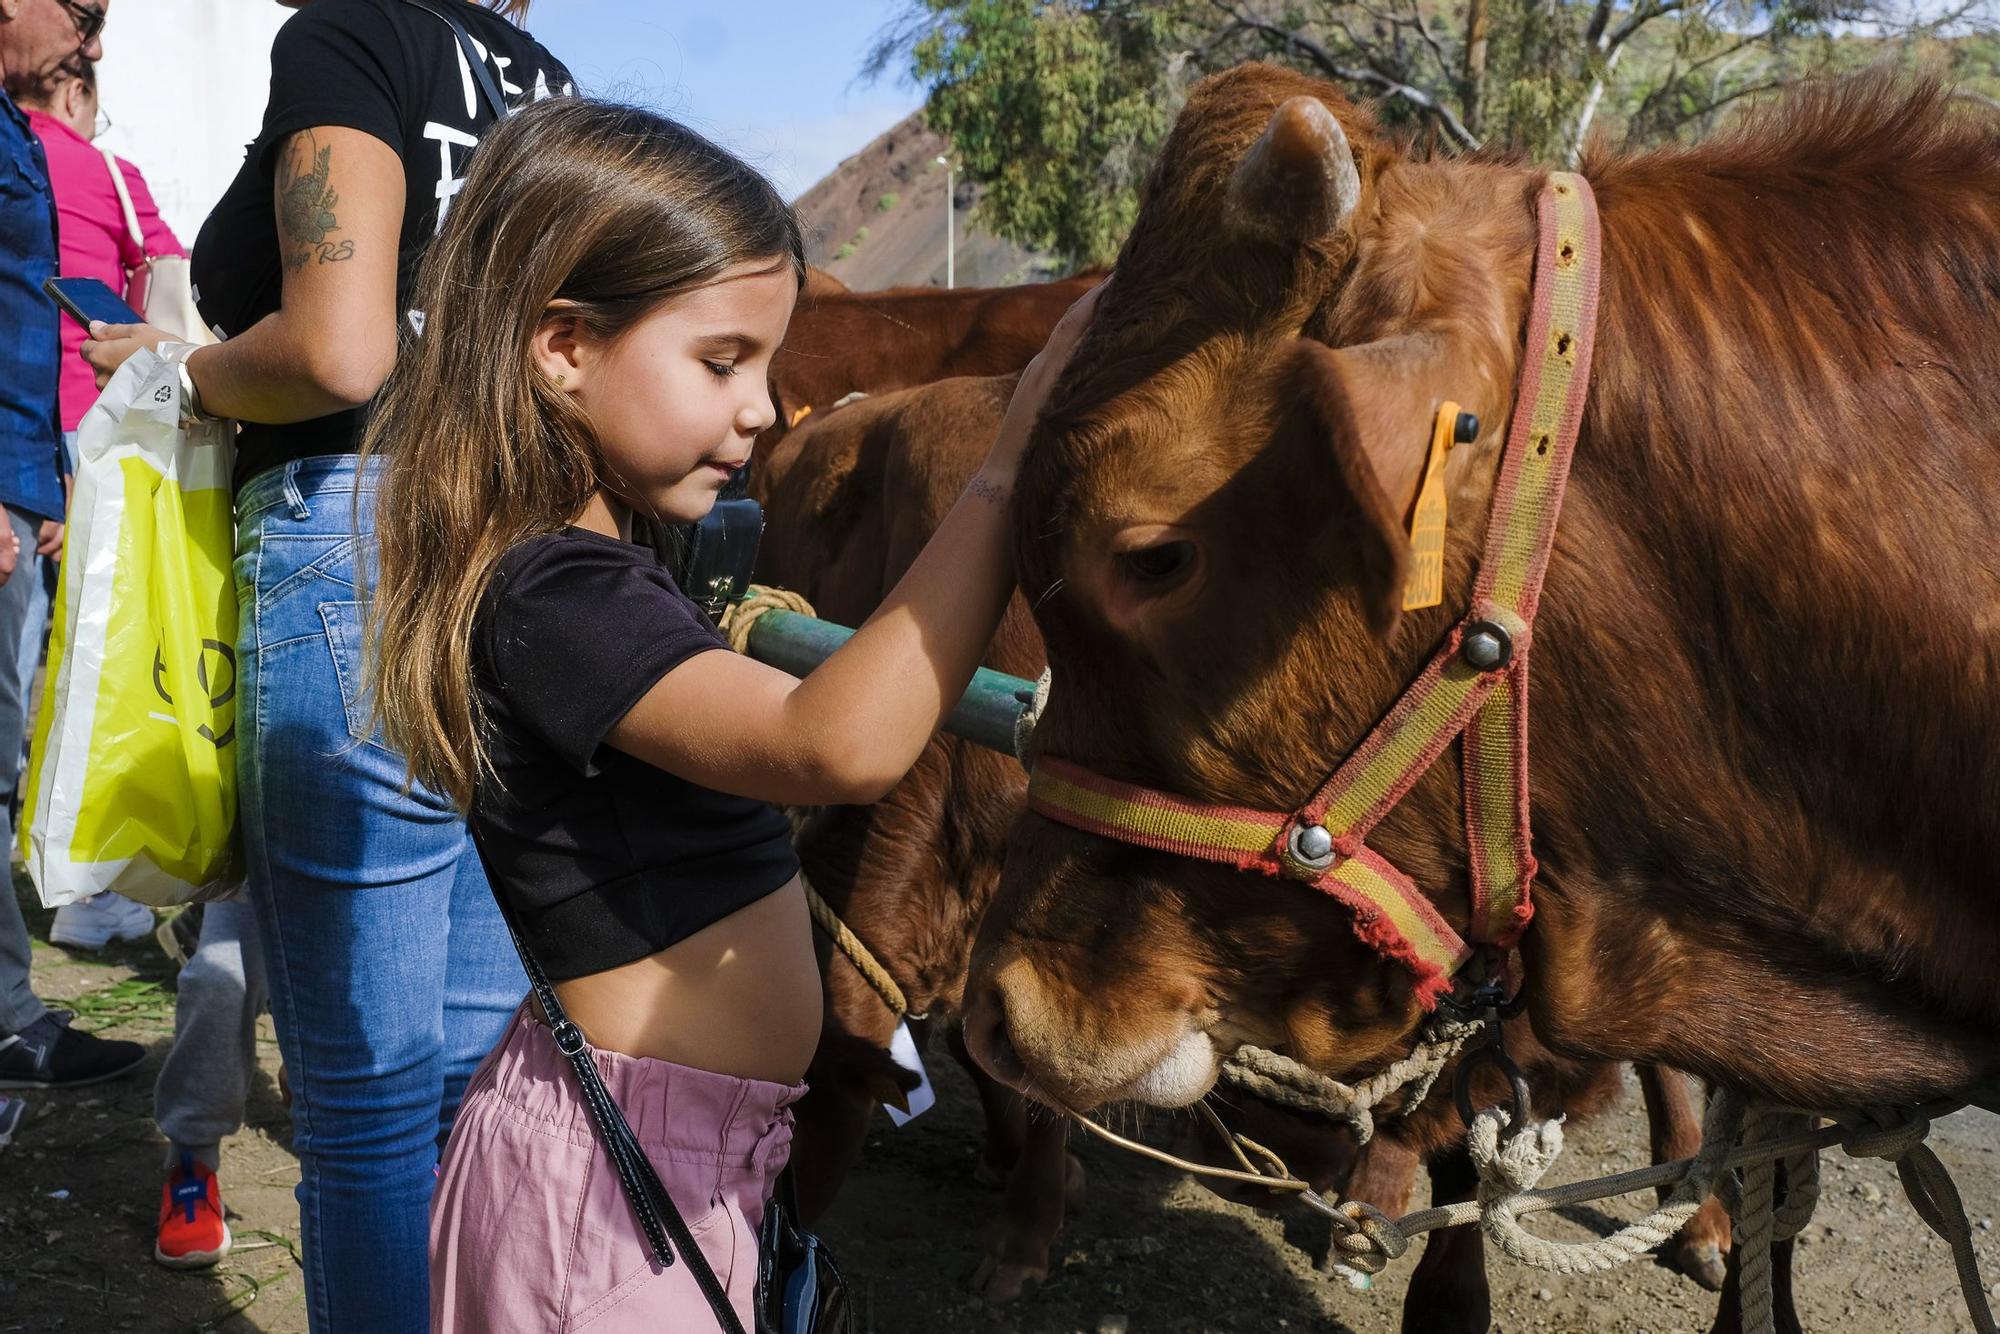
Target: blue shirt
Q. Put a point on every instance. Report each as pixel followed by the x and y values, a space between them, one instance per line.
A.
pixel 30 341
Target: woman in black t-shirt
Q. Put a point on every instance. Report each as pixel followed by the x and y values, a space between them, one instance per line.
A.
pixel 391 973
pixel 541 667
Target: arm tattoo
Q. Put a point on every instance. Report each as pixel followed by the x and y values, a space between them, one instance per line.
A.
pixel 306 200
pixel 991 492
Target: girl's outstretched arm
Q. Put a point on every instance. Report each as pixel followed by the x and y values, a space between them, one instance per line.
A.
pixel 850 730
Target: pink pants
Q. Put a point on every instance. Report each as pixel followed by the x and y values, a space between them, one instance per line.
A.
pixel 529 1229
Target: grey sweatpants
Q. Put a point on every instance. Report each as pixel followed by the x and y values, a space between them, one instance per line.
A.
pixel 20 600
pixel 205 1079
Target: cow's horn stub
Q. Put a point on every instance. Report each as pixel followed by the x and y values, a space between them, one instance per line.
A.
pixel 1298 180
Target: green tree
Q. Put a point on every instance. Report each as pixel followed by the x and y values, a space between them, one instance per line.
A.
pixel 1056 106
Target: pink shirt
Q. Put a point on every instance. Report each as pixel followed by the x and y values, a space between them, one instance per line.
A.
pixel 95 243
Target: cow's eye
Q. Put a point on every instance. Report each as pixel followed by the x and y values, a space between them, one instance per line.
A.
pixel 1158 566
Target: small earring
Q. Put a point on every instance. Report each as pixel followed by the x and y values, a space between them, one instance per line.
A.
pixel 560 379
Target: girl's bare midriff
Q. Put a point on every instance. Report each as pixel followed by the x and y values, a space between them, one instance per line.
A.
pixel 740 997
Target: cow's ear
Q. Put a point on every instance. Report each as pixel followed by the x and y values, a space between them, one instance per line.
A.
pixel 1360 405
pixel 783 404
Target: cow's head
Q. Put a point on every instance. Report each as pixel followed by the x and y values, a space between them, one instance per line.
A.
pixel 1211 531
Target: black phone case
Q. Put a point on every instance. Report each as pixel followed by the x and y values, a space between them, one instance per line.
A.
pixel 124 314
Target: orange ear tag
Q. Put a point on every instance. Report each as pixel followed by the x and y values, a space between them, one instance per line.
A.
pixel 1425 587
pixel 800 415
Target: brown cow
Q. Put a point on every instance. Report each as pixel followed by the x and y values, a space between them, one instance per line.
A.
pixel 842 342
pixel 852 498
pixel 1766 728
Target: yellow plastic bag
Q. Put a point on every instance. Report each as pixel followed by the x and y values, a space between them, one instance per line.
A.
pixel 132 780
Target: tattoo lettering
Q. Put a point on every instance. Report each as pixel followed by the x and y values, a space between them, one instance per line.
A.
pixel 306 202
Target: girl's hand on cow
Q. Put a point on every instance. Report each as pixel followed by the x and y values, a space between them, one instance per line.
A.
pixel 1025 408
pixel 111 345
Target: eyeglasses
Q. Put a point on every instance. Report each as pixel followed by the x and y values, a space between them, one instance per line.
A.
pixel 89 19
pixel 103 126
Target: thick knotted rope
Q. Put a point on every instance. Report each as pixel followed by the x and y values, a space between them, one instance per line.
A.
pixel 1759 1219
pixel 1282 1080
pixel 1510 1165
pixel 740 616
pixel 1899 1137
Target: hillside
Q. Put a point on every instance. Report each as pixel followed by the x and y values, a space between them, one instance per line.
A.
pixel 878 220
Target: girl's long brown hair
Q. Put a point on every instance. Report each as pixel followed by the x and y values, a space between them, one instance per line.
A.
pixel 609 210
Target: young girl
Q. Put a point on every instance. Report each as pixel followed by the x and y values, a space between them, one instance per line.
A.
pixel 601 310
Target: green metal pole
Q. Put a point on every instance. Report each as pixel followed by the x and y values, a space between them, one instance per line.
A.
pixel 986 715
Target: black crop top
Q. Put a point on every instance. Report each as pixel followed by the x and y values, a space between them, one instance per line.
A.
pixel 600 858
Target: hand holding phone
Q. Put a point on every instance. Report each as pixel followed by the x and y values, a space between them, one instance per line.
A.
pixel 89 302
pixel 87 299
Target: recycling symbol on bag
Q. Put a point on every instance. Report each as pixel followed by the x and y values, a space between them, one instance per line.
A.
pixel 220 683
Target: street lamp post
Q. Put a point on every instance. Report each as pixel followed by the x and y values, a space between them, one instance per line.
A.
pixel 950 228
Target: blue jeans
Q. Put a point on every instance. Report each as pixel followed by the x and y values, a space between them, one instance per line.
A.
pixel 390 968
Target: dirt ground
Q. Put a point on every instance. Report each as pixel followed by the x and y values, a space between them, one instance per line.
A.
pixel 1150 1251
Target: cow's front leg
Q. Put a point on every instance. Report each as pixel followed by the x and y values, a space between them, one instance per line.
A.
pixel 1448 1292
pixel 829 1127
pixel 1006 1116
pixel 1017 1253
pixel 1676 1133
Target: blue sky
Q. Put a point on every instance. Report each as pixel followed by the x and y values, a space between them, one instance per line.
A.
pixel 772 79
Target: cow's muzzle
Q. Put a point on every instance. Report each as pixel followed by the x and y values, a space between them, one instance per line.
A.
pixel 1021 1038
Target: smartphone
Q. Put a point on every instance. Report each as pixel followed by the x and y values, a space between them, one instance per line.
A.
pixel 87 299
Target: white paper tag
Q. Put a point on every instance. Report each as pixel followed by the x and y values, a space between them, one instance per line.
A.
pixel 903 1051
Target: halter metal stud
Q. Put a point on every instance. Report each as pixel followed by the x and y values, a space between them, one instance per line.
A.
pixel 1486 646
pixel 1311 846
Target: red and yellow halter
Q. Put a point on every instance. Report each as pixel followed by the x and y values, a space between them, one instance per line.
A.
pixel 1476 685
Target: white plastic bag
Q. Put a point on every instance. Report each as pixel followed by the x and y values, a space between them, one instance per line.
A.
pixel 132 780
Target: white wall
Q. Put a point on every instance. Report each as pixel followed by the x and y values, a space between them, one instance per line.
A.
pixel 184 83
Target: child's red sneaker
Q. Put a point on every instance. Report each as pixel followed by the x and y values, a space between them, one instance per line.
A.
pixel 193 1232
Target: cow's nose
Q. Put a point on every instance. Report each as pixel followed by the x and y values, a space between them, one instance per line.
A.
pixel 987 1039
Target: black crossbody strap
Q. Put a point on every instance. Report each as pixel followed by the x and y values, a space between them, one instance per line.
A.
pixel 658 1218
pixel 487 84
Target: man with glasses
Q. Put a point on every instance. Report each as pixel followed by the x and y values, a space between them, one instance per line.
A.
pixel 38 40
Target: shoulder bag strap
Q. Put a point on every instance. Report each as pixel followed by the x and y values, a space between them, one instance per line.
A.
pixel 132 227
pixel 487 84
pixel 658 1217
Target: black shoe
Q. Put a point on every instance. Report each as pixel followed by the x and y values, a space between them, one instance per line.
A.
pixel 50 1055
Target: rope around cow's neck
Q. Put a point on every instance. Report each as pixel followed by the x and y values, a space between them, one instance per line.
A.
pixel 864 961
pixel 1280 1079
